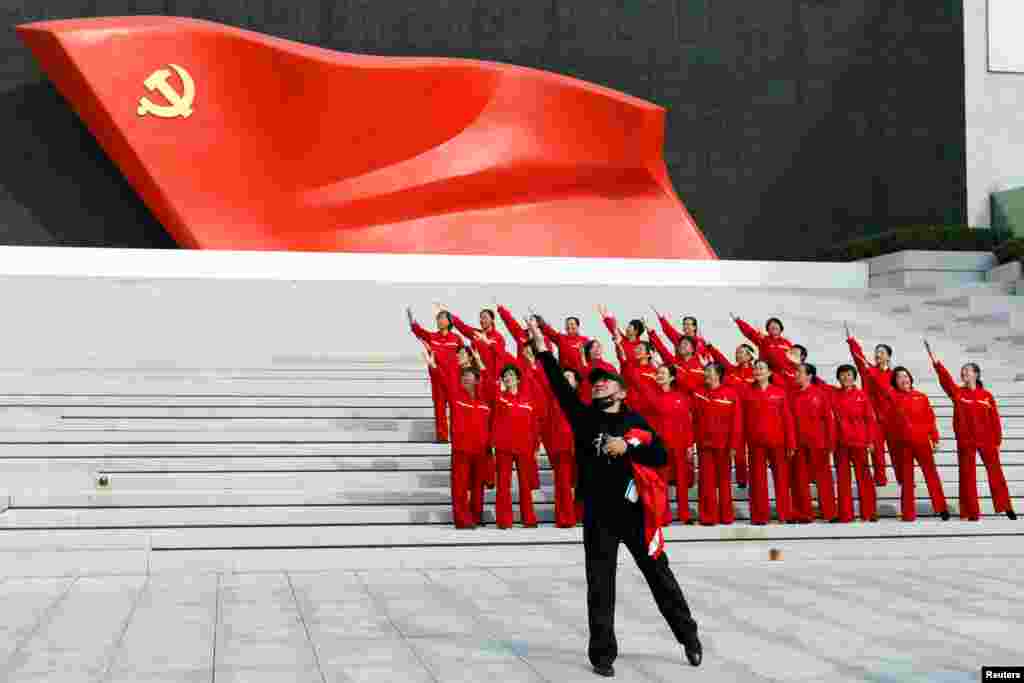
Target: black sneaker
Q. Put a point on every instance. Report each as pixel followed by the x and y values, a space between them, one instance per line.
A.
pixel 606 671
pixel 693 652
pixel 1010 514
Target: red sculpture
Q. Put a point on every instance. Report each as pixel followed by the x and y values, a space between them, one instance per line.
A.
pixel 237 140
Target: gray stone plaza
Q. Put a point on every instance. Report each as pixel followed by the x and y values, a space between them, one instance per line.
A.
pixel 936 618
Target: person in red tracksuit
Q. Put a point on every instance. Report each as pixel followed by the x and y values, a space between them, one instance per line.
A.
pixel 569 343
pixel 718 428
pixel 672 418
pixel 561 449
pixel 444 344
pixel 471 441
pixel 519 334
pixel 689 329
pixel 514 428
pixel 493 339
pixel 856 435
pixel 978 429
pixel 592 357
pixel 689 365
pixel 772 346
pixel 670 414
pixel 915 437
pixel 740 375
pixel 815 442
pixel 628 338
pixel 771 440
pixel 882 372
pixel 555 434
pixel 638 369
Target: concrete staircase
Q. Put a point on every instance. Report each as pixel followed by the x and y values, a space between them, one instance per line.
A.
pixel 249 451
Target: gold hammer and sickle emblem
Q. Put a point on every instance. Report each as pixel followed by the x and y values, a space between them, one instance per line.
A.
pixel 180 105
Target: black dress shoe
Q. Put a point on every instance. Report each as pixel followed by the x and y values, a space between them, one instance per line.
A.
pixel 1010 514
pixel 694 652
pixel 944 515
pixel 606 671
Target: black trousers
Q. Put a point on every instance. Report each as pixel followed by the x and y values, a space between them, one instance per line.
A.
pixel 602 534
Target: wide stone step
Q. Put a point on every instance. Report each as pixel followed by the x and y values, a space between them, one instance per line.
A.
pixel 361 432
pixel 212 401
pixel 283 492
pixel 419 536
pixel 50 563
pixel 288 516
pixel 60 451
pixel 1012 462
pixel 284 412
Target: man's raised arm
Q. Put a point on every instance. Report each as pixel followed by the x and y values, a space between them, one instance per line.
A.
pixel 567 397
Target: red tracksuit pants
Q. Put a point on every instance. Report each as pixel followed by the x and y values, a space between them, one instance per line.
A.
pixel 856 460
pixel 503 495
pixel 468 476
pixel 966 455
pixel 892 445
pixel 742 467
pixel 812 465
pixel 906 454
pixel 680 470
pixel 714 486
pixel 440 398
pixel 878 462
pixel 564 466
pixel 761 457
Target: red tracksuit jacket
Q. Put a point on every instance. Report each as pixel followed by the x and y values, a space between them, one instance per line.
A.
pixel 739 376
pixel 640 380
pixel 444 346
pixel 494 339
pixel 767 419
pixel 718 418
pixel 570 347
pixel 689 371
pixel 911 417
pixel 881 378
pixel 856 426
pixel 515 422
pixel 518 332
pixel 813 418
pixel 976 418
pixel 471 416
pixel 771 349
pixel 629 347
pixel 671 415
pixel 653 493
pixel 675 335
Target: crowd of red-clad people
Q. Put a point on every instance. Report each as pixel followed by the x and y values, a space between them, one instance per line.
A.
pixel 719 419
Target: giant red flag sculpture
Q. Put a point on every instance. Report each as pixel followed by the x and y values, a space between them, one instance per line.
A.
pixel 237 140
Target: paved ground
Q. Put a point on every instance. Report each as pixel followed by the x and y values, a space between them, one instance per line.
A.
pixel 871 620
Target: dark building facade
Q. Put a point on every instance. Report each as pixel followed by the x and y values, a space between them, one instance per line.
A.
pixel 793 124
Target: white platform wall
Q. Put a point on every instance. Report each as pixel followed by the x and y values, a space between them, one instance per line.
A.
pixel 120 309
pixel 426 268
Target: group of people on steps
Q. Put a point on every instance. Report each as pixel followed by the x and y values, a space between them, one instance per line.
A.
pixel 766 409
